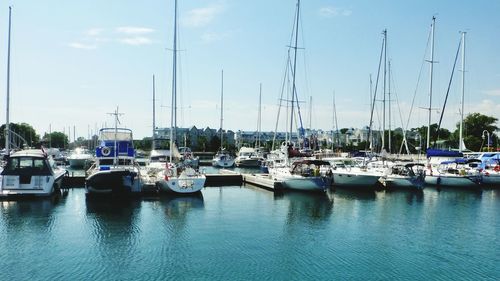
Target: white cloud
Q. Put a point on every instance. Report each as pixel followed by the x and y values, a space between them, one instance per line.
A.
pixel 494 93
pixel 94 32
pixel 329 12
pixel 209 37
pixel 83 46
pixel 201 16
pixel 135 41
pixel 133 30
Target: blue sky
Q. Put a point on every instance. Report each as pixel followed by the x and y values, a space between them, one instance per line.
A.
pixel 75 61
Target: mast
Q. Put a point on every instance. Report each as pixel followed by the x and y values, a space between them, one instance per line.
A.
pixel 461 137
pixel 294 90
pixel 221 108
pixel 115 152
pixel 154 114
pixel 389 105
pixel 173 114
pixel 257 144
pixel 385 79
pixel 7 124
pixel 431 61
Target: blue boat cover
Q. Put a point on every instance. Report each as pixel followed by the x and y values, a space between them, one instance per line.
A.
pixel 443 153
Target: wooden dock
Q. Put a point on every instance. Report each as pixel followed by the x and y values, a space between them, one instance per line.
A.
pixel 225 177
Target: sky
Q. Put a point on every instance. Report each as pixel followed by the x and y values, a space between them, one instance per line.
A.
pixel 72 62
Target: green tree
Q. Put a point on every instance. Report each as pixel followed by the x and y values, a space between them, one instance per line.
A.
pixel 473 127
pixel 55 139
pixel 444 134
pixel 23 134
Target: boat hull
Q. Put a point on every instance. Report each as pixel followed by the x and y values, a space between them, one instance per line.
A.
pixel 184 185
pixel 355 181
pixel 452 181
pixel 404 183
pixel 113 181
pixel 247 163
pixel 223 164
pixel 38 186
pixel 312 184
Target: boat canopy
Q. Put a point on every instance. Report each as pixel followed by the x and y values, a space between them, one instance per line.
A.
pixel 310 162
pixel 121 134
pixel 443 153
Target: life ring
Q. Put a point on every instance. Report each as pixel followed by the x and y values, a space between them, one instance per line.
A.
pixel 105 151
pixel 497 168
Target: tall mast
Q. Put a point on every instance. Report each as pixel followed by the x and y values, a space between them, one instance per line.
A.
pixel 257 144
pixel 310 112
pixel 154 115
pixel 7 124
pixel 431 61
pixel 385 79
pixel 461 138
pixel 221 108
pixel 294 91
pixel 389 105
pixel 173 115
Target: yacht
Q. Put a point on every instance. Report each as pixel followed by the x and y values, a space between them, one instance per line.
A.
pixel 223 159
pixel 455 173
pixel 80 158
pixel 347 173
pixel 248 157
pixel 31 172
pixel 115 169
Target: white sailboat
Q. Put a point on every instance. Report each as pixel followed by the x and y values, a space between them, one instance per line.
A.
pixel 178 177
pixel 296 174
pixel 222 158
pixel 451 172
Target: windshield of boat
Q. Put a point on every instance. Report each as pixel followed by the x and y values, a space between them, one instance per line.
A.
pixel 26 166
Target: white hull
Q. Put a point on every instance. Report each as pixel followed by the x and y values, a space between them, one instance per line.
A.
pixel 249 162
pixel 297 182
pixel 403 182
pixel 450 180
pixel 183 185
pixel 38 186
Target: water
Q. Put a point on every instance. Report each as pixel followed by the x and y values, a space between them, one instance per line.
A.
pixel 246 233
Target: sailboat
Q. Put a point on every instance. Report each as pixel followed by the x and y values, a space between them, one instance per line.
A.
pixel 252 156
pixel 223 158
pixel 178 176
pixel 445 168
pixel 297 173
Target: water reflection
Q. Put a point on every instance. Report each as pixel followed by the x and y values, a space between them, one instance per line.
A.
pixel 178 206
pixel 306 206
pixel 368 195
pixel 411 196
pixel 30 213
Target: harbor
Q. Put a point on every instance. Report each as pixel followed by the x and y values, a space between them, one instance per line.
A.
pixel 261 140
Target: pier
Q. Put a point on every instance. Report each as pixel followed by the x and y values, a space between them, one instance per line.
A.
pixel 226 177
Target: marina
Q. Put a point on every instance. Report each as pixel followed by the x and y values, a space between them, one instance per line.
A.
pixel 201 182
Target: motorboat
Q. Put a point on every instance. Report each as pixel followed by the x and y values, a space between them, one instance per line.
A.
pixel 31 172
pixel 115 169
pixel 406 176
pixel 80 158
pixel 248 157
pixel 303 175
pixel 347 173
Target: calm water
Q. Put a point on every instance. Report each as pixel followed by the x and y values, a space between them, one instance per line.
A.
pixel 245 233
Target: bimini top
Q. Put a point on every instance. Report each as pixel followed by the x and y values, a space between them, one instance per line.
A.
pixel 121 134
pixel 461 161
pixel 443 153
pixel 310 162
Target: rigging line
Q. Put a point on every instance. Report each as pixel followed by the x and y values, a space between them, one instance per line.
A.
pixel 448 91
pixel 283 84
pixel 418 82
pixel 375 93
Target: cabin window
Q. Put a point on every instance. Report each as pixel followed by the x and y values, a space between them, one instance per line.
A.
pixel 26 166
